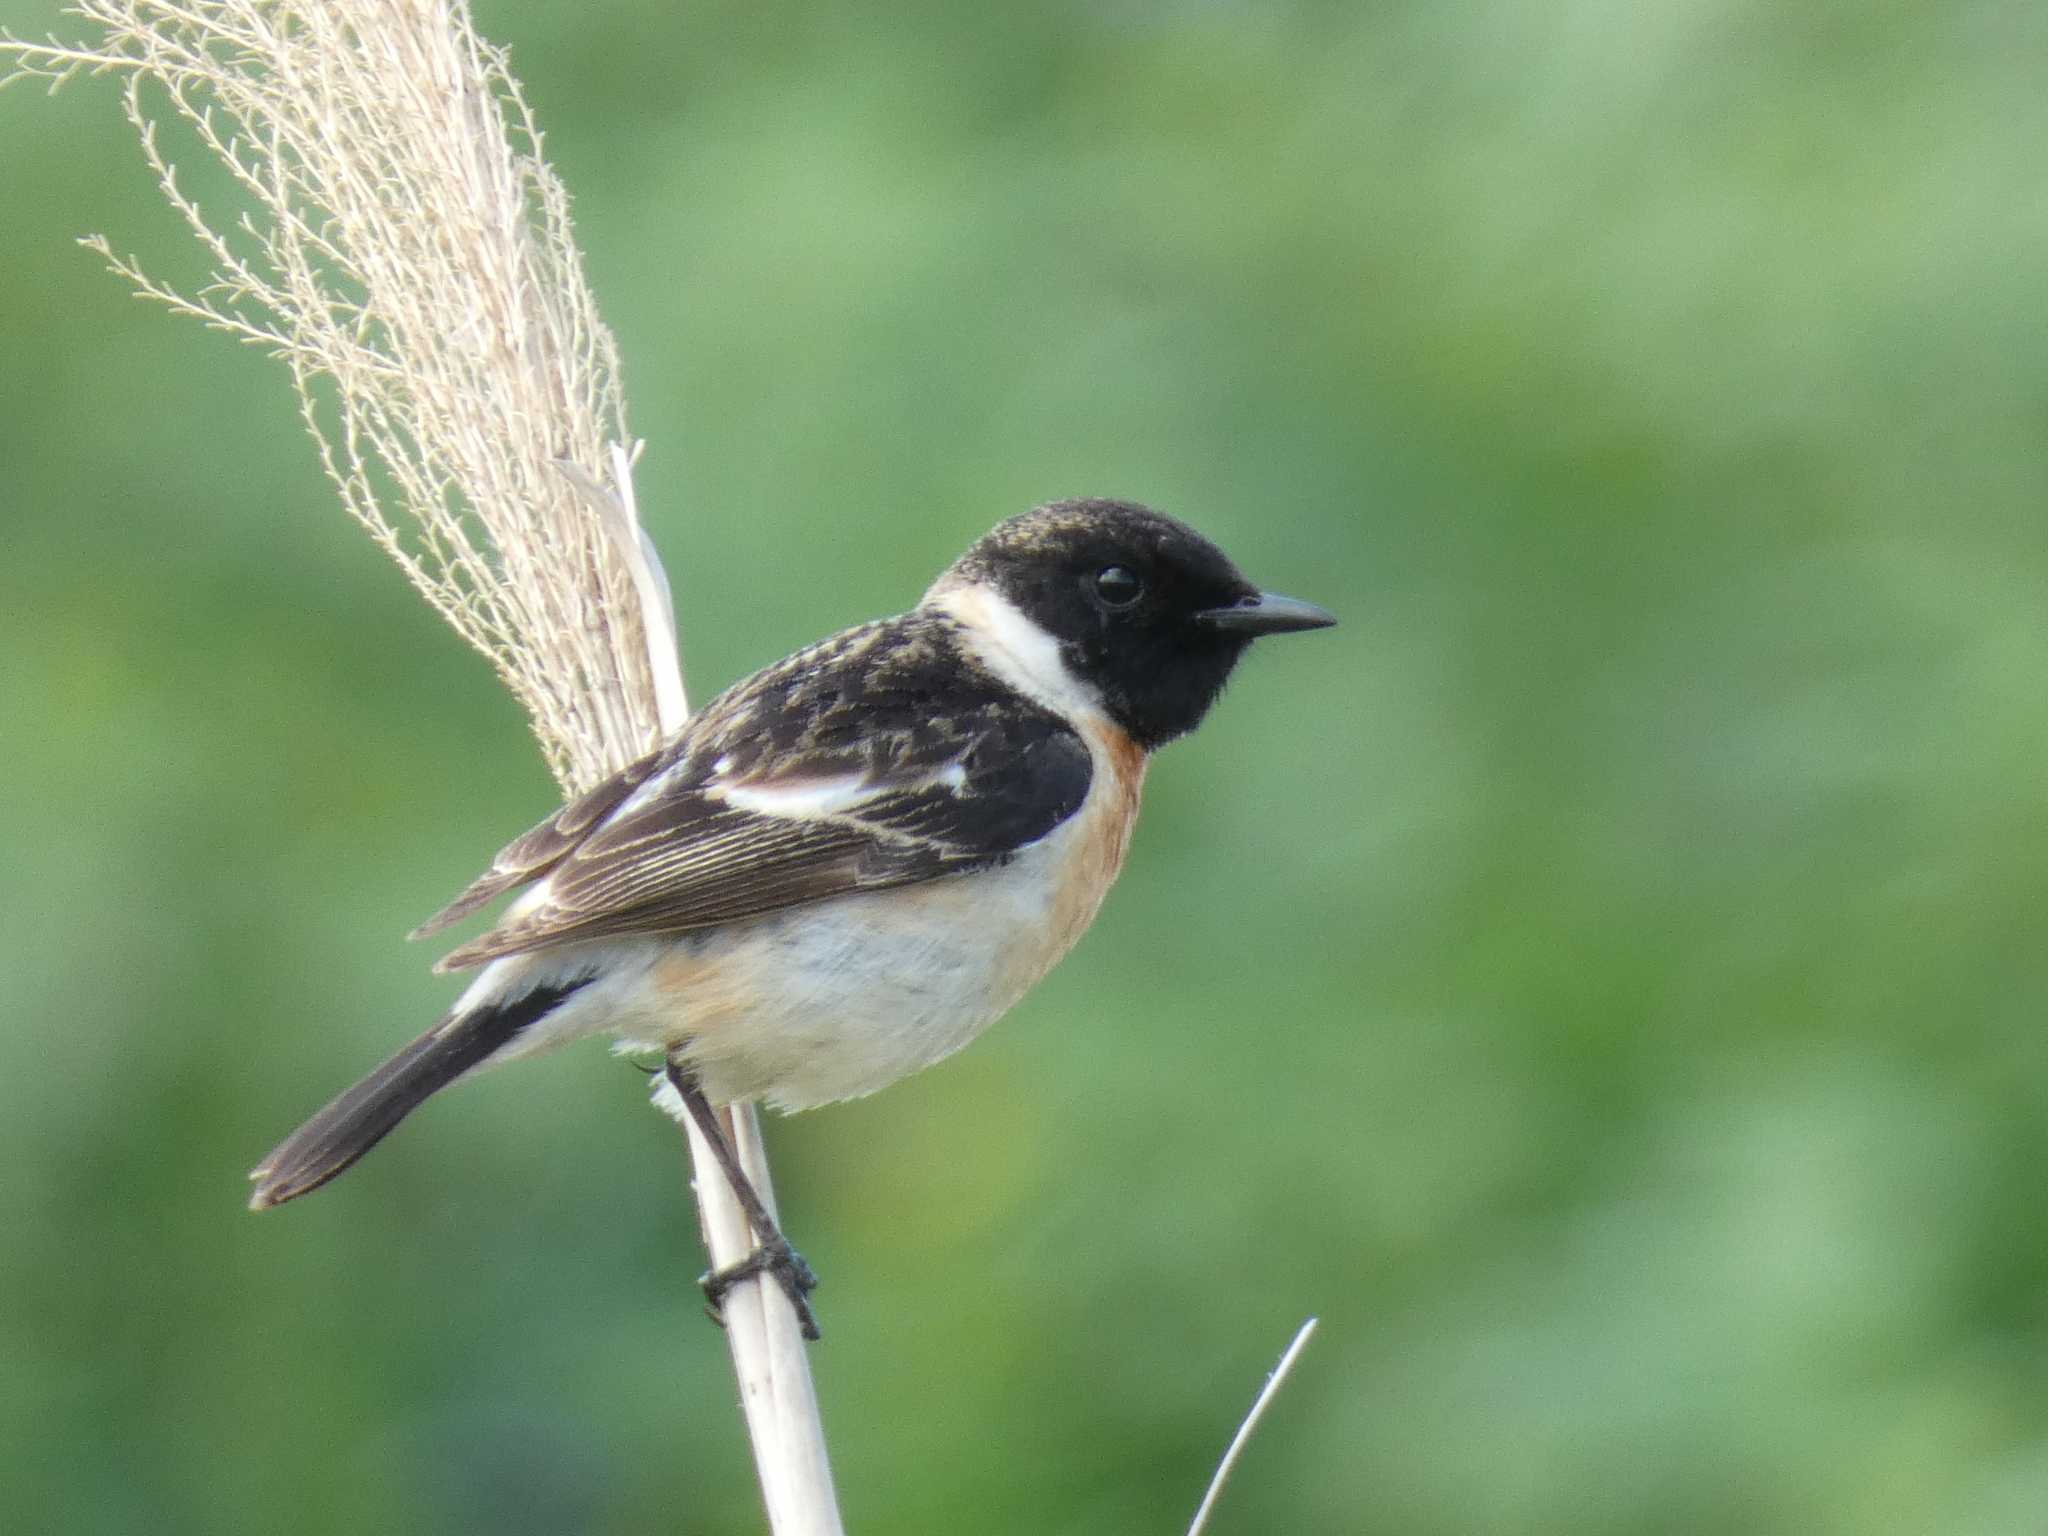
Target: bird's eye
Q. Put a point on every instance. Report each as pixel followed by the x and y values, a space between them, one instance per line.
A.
pixel 1118 586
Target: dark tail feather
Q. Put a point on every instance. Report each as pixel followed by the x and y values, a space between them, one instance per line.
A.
pixel 364 1115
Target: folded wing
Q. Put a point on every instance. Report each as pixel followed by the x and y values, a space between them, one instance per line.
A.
pixel 688 842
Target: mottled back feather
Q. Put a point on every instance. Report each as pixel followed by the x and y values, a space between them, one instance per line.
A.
pixel 883 756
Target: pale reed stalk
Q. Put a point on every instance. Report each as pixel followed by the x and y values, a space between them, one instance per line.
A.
pixel 1248 1426
pixel 407 253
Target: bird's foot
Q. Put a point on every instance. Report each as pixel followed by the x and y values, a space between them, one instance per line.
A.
pixel 773 1257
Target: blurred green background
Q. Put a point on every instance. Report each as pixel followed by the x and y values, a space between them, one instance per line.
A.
pixel 1602 979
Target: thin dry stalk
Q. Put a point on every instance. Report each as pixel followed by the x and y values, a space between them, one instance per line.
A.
pixel 408 255
pixel 1245 1430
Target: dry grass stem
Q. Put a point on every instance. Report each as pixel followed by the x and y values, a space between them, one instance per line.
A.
pixel 1243 1436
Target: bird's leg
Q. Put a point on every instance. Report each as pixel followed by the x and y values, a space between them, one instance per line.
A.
pixel 772 1253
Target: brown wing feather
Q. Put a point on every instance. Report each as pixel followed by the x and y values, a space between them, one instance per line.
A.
pixel 535 852
pixel 946 789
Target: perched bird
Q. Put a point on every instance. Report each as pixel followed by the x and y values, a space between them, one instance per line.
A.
pixel 849 864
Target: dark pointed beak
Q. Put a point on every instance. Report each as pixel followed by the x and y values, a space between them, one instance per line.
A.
pixel 1267 613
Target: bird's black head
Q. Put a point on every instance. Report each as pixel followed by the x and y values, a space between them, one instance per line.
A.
pixel 1144 611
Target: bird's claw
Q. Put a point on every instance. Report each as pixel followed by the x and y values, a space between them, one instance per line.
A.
pixel 774 1257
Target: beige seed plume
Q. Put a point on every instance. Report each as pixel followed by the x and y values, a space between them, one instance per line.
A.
pixel 407 253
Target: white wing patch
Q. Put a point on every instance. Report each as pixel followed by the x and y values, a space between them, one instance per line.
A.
pixel 840 795
pixel 644 795
pixel 800 798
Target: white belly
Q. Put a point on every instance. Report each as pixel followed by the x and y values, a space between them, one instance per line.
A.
pixel 836 1000
pixel 828 1001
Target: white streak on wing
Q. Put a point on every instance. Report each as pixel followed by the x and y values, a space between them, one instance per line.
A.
pixel 800 798
pixel 1016 649
pixel 804 797
pixel 532 899
pixel 646 794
